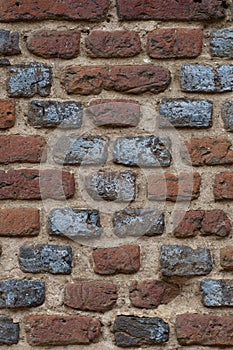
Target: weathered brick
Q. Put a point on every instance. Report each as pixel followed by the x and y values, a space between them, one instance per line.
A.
pixel 124 259
pixel 23 149
pixel 51 43
pixel 171 187
pixel 75 223
pixel 21 293
pixel 217 292
pixel 9 43
pixel 119 43
pixel 223 186
pixel 138 222
pixel 149 294
pixel 81 150
pixel 179 260
pixel 51 114
pixel 114 112
pixel 9 331
pixel 227 114
pixel 88 80
pixel 221 43
pixel 4 62
pixel 207 151
pixel 111 186
pixel 142 151
pixel 203 78
pixel 216 222
pixel 206 330
pixel 35 184
pixel 19 222
pixel 27 10
pixel 226 258
pixel 91 295
pixel 185 113
pixel 7 114
pixel 175 43
pixel 170 10
pixel 27 80
pixel 43 330
pixel 46 258
pixel 131 331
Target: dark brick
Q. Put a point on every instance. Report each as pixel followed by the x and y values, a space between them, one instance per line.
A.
pixel 51 114
pixel 9 43
pixel 223 186
pixel 227 114
pixel 178 260
pixel 46 258
pixel 226 258
pixel 133 331
pixel 4 62
pixel 27 80
pixel 185 113
pixel 217 292
pixel 7 114
pixel 9 331
pixel 21 293
pixel 143 151
pixel 221 43
pixel 138 222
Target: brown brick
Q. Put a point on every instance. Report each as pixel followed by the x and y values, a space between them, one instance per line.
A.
pixel 216 222
pixel 19 222
pixel 174 188
pixel 124 259
pixel 51 43
pixel 226 258
pixel 7 114
pixel 91 295
pixel 174 43
pixel 223 186
pixel 43 330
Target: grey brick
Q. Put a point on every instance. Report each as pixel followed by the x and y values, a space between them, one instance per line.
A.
pixel 227 114
pixel 133 331
pixel 9 331
pixel 75 223
pixel 217 292
pixel 203 78
pixel 27 80
pixel 9 43
pixel 51 114
pixel 21 293
pixel 138 222
pixel 144 151
pixel 221 43
pixel 85 150
pixel 46 258
pixel 186 113
pixel 179 260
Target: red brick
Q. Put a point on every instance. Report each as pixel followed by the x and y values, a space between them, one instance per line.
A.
pixel 150 294
pixel 226 258
pixel 216 222
pixel 208 151
pixel 17 148
pixel 206 330
pixel 93 296
pixel 19 222
pixel 170 9
pixel 51 43
pixel 115 112
pixel 35 184
pixel 119 43
pixel 174 188
pixel 124 259
pixel 174 43
pixel 41 9
pixel 223 186
pixel 43 330
pixel 88 80
pixel 7 114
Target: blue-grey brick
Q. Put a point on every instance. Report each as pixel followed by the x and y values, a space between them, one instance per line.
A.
pixel 138 222
pixel 227 114
pixel 179 260
pixel 9 331
pixel 217 292
pixel 85 150
pixel 9 43
pixel 51 114
pixel 221 44
pixel 27 80
pixel 133 331
pixel 75 223
pixel 46 258
pixel 203 78
pixel 185 113
pixel 21 293
pixel 143 151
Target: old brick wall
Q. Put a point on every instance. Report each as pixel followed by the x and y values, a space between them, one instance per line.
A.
pixel 116 179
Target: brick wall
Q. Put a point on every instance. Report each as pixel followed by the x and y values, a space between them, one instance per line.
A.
pixel 116 179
